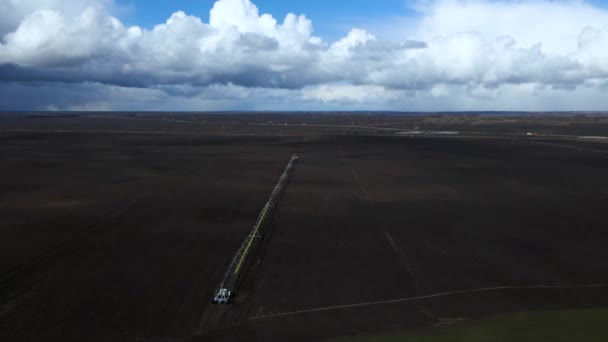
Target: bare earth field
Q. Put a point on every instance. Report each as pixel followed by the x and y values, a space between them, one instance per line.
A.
pixel 119 227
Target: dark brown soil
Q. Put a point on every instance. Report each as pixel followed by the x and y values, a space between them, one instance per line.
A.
pixel 124 236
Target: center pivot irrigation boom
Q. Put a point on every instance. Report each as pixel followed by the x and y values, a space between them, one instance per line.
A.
pixel 226 289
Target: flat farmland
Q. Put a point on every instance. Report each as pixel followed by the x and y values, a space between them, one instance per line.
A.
pixel 373 219
pixel 101 243
pixel 125 236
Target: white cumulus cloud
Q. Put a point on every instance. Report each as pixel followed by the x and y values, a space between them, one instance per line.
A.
pixel 463 53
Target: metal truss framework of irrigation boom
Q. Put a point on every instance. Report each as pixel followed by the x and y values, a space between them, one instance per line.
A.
pixel 236 265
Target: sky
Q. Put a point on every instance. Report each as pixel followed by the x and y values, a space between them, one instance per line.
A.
pixel 332 19
pixel 205 55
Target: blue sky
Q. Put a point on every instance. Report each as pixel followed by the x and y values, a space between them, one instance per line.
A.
pixel 332 18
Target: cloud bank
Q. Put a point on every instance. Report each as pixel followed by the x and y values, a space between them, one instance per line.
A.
pixel 458 55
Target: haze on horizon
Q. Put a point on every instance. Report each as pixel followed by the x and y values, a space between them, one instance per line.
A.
pixel 426 55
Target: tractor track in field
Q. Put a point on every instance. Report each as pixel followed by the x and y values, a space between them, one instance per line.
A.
pixel 422 297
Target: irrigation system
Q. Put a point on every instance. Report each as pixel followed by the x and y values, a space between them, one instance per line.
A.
pixel 227 287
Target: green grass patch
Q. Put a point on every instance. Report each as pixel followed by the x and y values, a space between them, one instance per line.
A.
pixel 532 326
